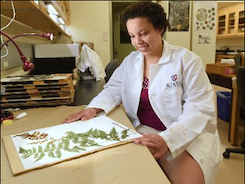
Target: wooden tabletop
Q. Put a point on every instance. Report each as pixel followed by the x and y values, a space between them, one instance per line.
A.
pixel 128 163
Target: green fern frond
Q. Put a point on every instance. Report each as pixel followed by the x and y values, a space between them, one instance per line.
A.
pixel 40 156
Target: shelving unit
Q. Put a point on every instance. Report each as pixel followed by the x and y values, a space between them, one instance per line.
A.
pixel 33 15
pixel 231 21
pixel 37 90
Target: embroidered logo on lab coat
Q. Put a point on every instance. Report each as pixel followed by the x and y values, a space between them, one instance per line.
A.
pixel 174 77
pixel 175 82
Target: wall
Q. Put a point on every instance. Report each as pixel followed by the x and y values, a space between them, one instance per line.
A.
pixel 232 43
pixel 120 50
pixel 89 21
pixel 189 39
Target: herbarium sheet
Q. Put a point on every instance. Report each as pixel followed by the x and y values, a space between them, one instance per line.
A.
pixel 47 146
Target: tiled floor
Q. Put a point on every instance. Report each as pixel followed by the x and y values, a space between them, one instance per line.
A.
pixel 231 170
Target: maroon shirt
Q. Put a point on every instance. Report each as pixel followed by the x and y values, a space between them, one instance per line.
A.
pixel 146 114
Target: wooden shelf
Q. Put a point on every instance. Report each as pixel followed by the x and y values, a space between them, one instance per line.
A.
pixel 33 15
pixel 240 35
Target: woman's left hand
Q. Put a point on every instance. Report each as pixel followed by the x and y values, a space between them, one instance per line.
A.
pixel 155 144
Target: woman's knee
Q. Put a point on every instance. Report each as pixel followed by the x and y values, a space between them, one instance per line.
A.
pixel 183 169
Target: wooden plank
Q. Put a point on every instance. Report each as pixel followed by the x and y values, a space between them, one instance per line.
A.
pixel 235 116
pixel 35 95
pixel 29 89
pixel 38 92
pixel 36 103
pixel 31 99
pixel 36 79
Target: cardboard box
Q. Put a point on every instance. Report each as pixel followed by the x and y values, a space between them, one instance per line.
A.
pixel 220 68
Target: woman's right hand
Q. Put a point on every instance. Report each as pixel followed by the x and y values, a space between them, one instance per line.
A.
pixel 83 115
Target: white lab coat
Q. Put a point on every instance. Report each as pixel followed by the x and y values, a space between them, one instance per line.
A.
pixel 180 94
pixel 90 59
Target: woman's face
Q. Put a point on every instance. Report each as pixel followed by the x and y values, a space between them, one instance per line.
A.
pixel 144 37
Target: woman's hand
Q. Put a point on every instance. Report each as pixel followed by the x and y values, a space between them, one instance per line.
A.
pixel 82 115
pixel 154 143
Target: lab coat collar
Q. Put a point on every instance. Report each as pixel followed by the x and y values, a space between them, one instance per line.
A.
pixel 139 66
pixel 165 52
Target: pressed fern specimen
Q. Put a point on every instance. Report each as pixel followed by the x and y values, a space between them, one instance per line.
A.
pixel 72 142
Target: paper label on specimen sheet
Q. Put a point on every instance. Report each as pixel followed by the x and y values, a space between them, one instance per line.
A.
pixel 54 144
pixel 205 14
pixel 204 38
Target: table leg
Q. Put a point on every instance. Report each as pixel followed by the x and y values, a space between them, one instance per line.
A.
pixel 235 115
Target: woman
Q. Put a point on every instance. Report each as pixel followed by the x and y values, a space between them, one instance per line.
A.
pixel 167 96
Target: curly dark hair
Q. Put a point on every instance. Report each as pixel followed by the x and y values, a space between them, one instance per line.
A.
pixel 152 11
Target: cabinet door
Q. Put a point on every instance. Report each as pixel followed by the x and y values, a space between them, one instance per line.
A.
pixel 241 22
pixel 231 23
pixel 221 25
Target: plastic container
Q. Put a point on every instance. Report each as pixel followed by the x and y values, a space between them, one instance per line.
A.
pixel 224 105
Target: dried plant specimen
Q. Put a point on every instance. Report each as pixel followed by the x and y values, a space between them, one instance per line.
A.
pixel 71 142
pixel 50 145
pixel 34 136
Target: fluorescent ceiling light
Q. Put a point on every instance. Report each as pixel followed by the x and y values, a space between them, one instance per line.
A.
pixel 63 27
pixel 54 18
pixel 51 9
pixel 61 20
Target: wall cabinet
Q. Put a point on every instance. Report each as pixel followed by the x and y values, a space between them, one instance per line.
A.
pixel 36 15
pixel 231 21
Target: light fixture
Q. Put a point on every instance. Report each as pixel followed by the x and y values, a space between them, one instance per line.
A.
pixel 54 18
pixel 49 36
pixel 27 65
pixel 63 27
pixel 61 21
pixel 51 9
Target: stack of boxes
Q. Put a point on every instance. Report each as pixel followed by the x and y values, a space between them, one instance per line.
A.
pixel 37 90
